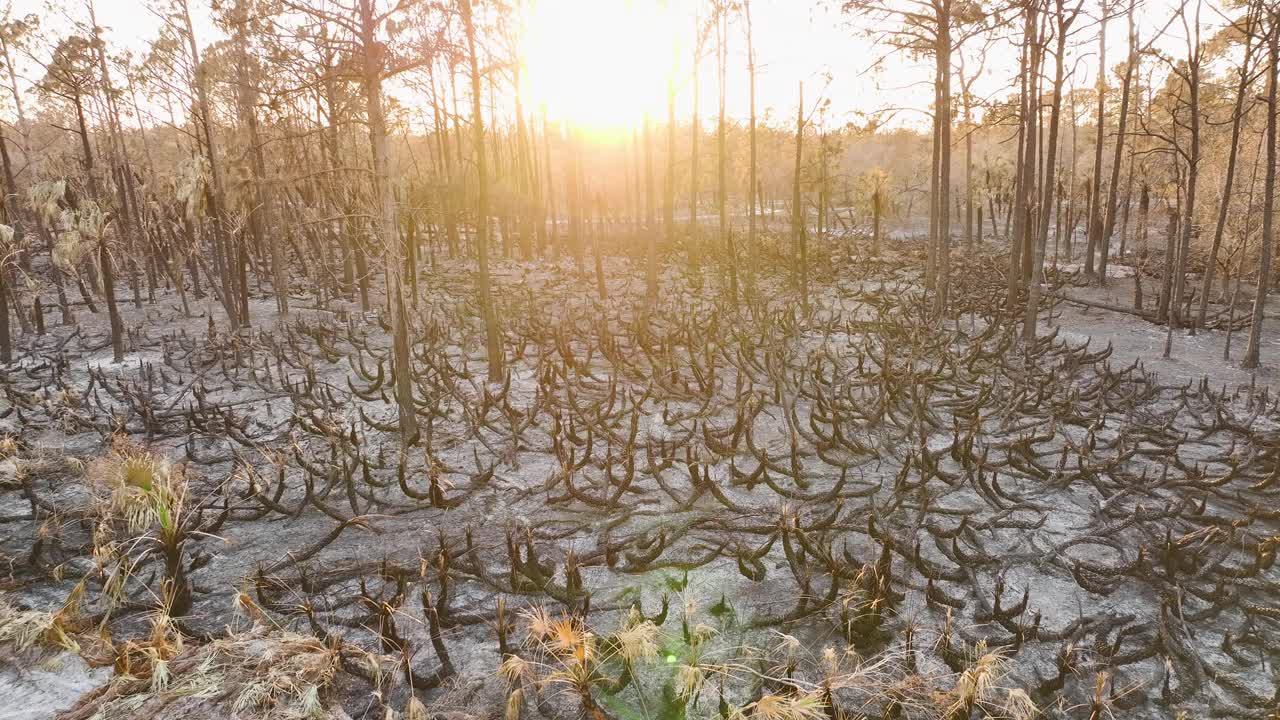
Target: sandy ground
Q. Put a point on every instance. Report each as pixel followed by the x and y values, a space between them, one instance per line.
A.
pixel 1192 358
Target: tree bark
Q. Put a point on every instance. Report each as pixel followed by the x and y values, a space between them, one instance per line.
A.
pixel 1113 190
pixel 1094 227
pixel 797 209
pixel 401 366
pixel 650 228
pixel 493 344
pixel 1237 119
pixel 751 174
pixel 1253 350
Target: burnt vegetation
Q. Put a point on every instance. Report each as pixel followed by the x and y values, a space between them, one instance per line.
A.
pixel 317 407
pixel 852 474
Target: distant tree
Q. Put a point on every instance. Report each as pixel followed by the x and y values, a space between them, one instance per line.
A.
pixel 874 186
pixel 723 10
pixel 752 179
pixel 493 341
pixel 1242 31
pixel 72 75
pixel 798 230
pixel 1252 352
pixel 237 18
pixel 933 29
pixel 1113 187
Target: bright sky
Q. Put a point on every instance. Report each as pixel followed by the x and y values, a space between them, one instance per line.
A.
pixel 606 62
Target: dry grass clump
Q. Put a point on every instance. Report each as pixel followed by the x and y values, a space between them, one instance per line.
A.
pixel 802 706
pixel 561 651
pixel 139 506
pixel 8 446
pixel 890 683
pixel 978 688
pixel 261 674
pixel 23 630
pixel 285 676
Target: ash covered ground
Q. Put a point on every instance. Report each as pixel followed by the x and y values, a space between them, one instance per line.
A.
pixel 848 499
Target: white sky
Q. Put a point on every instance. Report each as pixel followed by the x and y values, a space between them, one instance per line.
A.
pixel 795 40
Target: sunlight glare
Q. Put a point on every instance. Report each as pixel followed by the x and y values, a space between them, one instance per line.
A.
pixel 600 64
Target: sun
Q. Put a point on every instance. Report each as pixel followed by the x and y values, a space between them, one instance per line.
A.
pixel 599 64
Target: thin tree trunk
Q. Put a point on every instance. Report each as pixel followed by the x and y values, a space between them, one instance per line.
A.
pixel 216 193
pixel 942 298
pixel 551 188
pixel 401 366
pixel 1253 351
pixel 651 229
pixel 722 180
pixel 669 190
pixel 694 260
pixel 1224 208
pixel 1095 222
pixel 1113 190
pixel 797 209
pixel 1032 264
pixel 1051 183
pixel 6 342
pixel 492 341
pixel 1193 177
pixel 751 175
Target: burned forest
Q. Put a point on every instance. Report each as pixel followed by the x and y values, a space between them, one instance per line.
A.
pixel 639 359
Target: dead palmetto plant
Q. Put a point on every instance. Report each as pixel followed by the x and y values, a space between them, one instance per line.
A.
pixel 142 508
pixel 978 687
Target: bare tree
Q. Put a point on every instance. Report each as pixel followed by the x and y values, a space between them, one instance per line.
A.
pixel 799 245
pixel 1113 188
pixel 1247 27
pixel 1253 349
pixel 493 343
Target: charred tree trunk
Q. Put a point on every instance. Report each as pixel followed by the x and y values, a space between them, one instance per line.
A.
pixel 1253 350
pixel 797 208
pixel 751 173
pixel 1113 190
pixel 493 344
pixel 1094 227
pixel 1237 119
pixel 386 224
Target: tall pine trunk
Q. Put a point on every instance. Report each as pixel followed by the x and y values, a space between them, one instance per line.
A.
pixel 942 298
pixel 751 174
pixel 797 208
pixel 236 309
pixel 1113 190
pixel 1253 350
pixel 694 260
pixel 385 223
pixel 650 225
pixel 493 344
pixel 722 159
pixel 1237 119
pixel 1094 227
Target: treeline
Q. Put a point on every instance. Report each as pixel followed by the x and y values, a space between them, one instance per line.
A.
pixel 1164 123
pixel 318 149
